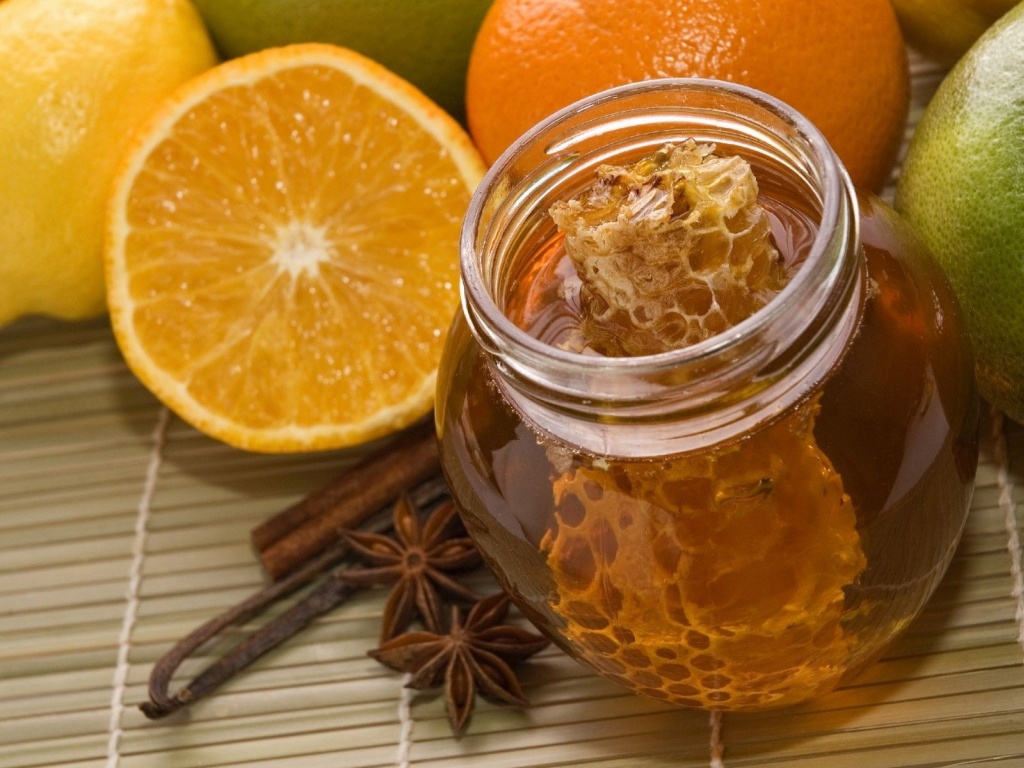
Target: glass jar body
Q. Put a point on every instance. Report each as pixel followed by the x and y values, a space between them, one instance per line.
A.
pixel 756 567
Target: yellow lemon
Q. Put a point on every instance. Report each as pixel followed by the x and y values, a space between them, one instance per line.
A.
pixel 77 76
pixel 282 252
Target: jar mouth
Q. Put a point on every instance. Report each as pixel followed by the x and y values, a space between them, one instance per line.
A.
pixel 574 134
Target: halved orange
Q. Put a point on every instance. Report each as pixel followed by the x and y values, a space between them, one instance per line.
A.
pixel 282 249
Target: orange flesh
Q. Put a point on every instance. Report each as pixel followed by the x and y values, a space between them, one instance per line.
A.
pixel 290 252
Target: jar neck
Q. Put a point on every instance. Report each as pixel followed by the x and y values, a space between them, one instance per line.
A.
pixel 697 395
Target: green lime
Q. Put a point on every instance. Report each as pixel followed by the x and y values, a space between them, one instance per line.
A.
pixel 425 41
pixel 962 187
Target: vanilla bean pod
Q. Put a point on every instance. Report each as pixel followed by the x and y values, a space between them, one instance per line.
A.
pixel 325 596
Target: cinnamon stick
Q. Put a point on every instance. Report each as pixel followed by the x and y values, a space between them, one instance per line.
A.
pixel 351 480
pixel 304 530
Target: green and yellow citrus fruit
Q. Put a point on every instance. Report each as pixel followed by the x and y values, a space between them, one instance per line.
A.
pixel 945 29
pixel 78 75
pixel 427 42
pixel 962 187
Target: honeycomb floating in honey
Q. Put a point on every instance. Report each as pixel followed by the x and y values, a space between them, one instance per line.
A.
pixel 718 578
pixel 670 250
pixel 715 580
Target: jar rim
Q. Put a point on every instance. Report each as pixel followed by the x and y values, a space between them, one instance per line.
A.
pixel 836 189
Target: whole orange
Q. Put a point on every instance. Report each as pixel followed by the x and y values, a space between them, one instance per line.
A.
pixel 842 63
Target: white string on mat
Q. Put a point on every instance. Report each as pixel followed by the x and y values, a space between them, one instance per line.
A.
pixel 1009 507
pixel 717 747
pixel 131 610
pixel 406 722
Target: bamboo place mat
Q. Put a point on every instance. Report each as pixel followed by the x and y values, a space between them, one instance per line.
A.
pixel 122 529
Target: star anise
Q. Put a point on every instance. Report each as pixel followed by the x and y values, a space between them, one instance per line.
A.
pixel 417 560
pixel 475 655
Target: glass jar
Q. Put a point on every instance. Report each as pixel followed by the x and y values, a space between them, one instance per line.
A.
pixel 736 524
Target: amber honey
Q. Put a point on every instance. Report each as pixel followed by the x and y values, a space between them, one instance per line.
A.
pixel 756 567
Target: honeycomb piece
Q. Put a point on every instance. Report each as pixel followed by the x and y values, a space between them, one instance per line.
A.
pixel 670 250
pixel 714 580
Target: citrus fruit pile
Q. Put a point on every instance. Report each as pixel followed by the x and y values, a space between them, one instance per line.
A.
pixel 282 230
